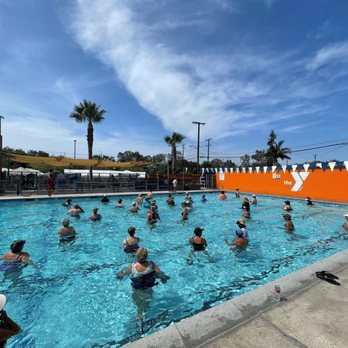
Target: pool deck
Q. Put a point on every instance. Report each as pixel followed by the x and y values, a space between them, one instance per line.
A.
pixel 312 313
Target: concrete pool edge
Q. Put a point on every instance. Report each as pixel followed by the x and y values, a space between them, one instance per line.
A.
pixel 207 325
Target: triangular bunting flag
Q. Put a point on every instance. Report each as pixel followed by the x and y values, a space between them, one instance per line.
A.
pixel 332 165
pixel 265 169
pixel 320 165
pixel 250 170
pixel 284 168
pixel 300 167
pixel 257 169
pixel 313 166
pixel 346 164
pixel 306 166
pixel 294 166
pixel 324 166
pixel 243 169
pixel 274 168
pixel 340 165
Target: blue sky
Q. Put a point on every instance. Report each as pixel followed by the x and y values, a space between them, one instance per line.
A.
pixel 242 66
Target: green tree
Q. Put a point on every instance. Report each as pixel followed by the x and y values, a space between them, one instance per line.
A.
pixel 259 158
pixel 276 150
pixel 245 161
pixel 175 138
pixel 130 156
pixel 91 113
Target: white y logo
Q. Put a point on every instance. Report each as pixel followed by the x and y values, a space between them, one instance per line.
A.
pixel 299 179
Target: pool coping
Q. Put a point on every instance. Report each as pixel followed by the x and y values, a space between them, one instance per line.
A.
pixel 196 330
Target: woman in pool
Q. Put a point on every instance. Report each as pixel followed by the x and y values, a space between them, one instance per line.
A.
pixel 246 208
pixel 345 225
pixel 184 212
pixel 66 232
pixel 134 208
pixel 223 196
pixel 237 192
pixel 95 216
pixel 105 199
pixel 197 241
pixel 170 200
pixel 8 327
pixel 240 242
pixel 76 211
pixel 67 203
pixel 119 203
pixel 287 206
pixel 139 199
pixel 152 216
pixel 242 227
pixel 16 257
pixel 130 244
pixel 288 225
pixel 203 199
pixel 309 201
pixel 143 275
pixel 253 199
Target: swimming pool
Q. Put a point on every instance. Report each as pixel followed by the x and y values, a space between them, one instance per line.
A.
pixel 75 300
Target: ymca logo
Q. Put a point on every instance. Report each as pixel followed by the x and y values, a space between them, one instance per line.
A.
pixel 299 179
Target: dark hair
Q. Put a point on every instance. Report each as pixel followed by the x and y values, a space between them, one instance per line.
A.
pixel 222 192
pixel 198 231
pixel 131 231
pixel 120 200
pixel 17 246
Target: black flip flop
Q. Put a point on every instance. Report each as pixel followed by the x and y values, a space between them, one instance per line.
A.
pixel 327 274
pixel 328 279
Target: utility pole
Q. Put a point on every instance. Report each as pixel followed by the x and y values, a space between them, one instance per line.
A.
pixel 315 158
pixel 208 140
pixel 182 160
pixel 1 185
pixel 199 124
pixel 74 149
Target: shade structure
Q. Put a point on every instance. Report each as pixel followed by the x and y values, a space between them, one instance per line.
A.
pixel 24 171
pixel 69 162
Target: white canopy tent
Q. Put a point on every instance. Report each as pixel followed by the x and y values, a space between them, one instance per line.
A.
pixel 23 171
pixel 103 173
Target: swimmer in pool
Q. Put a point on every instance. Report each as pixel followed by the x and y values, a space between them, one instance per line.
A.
pixel 67 203
pixel 222 196
pixel 253 199
pixel 152 216
pixel 8 327
pixel 237 192
pixel 170 200
pixel 197 241
pixel 246 207
pixel 119 203
pixel 240 242
pixel 139 199
pixel 242 227
pixel 345 225
pixel 287 206
pixel 130 244
pixel 203 199
pixel 134 208
pixel 95 216
pixel 185 211
pixel 105 199
pixel 309 201
pixel 16 256
pixel 66 232
pixel 288 225
pixel 76 211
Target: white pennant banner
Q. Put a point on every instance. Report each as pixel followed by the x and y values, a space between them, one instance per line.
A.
pixel 306 166
pixel 294 167
pixel 332 165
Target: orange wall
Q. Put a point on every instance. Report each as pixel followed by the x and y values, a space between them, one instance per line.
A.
pixel 321 185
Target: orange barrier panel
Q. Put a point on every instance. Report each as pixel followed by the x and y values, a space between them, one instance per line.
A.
pixel 328 185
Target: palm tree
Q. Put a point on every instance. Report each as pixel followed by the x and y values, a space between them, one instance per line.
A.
pixel 91 113
pixel 176 138
pixel 276 150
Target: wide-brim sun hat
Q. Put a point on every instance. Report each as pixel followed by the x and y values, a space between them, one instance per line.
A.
pixel 245 199
pixel 2 301
pixel 241 221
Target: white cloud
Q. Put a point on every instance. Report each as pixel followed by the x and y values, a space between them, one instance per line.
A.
pixel 329 54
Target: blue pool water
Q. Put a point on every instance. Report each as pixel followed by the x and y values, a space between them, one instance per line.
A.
pixel 75 300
